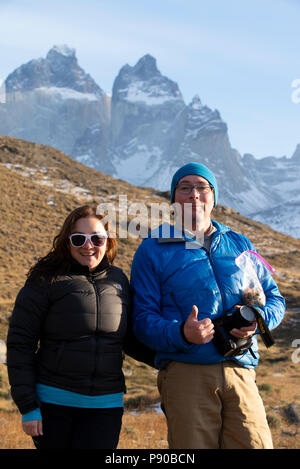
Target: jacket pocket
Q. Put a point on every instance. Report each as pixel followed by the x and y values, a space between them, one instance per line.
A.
pixel 49 356
pixel 65 358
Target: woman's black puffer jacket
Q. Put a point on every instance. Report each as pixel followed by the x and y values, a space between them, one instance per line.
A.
pixel 71 334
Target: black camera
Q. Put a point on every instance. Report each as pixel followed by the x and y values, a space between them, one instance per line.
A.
pixel 226 344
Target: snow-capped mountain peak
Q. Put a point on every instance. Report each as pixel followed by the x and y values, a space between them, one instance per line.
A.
pixel 59 69
pixel 63 49
pixel 196 103
pixel 146 67
pixel 201 118
pixel 144 83
pixel 144 105
pixel 144 132
pixel 53 101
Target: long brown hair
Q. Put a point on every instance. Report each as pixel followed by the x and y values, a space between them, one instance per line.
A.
pixel 59 259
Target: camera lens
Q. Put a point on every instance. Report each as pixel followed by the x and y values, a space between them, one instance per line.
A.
pixel 247 313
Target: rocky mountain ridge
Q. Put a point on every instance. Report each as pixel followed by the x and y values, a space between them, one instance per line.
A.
pixel 53 101
pixel 143 133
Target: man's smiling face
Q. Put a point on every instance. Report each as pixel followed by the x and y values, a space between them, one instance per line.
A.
pixel 201 203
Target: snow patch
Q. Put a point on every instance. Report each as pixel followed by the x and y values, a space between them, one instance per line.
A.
pixel 131 169
pixel 152 96
pixel 65 50
pixel 280 219
pixel 66 93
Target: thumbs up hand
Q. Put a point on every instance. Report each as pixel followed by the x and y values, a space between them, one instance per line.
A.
pixel 198 332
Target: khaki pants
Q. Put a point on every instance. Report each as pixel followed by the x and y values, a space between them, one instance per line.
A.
pixel 213 406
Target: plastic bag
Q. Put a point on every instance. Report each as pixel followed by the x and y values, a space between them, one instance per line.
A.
pixel 252 264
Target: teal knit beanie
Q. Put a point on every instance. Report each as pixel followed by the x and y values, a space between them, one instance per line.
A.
pixel 198 169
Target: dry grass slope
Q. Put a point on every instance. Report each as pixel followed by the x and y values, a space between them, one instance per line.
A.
pixel 39 187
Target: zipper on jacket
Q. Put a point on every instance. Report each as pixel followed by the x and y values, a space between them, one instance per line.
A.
pixel 214 272
pixel 91 280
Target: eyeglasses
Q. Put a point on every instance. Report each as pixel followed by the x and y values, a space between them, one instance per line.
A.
pixel 186 188
pixel 78 240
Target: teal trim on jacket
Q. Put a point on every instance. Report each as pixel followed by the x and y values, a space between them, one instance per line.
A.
pixel 58 396
pixel 170 275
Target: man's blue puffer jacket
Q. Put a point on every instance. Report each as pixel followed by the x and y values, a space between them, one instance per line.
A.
pixel 167 279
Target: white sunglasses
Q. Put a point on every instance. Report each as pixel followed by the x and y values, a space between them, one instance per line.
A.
pixel 78 240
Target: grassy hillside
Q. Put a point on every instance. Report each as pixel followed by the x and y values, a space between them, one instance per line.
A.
pixel 39 187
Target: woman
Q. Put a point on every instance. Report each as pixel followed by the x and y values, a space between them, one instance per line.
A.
pixel 66 338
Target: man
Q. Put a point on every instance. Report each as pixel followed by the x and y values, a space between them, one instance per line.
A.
pixel 181 285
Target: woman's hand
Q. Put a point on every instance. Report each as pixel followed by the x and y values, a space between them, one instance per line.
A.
pixel 33 427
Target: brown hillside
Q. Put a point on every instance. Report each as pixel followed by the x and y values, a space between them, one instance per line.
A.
pixel 41 185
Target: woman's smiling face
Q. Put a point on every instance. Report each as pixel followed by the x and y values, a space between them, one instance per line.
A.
pixel 88 255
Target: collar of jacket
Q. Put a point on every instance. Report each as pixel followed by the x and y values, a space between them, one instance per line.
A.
pixel 77 268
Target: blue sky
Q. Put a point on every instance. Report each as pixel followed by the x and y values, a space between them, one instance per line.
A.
pixel 240 57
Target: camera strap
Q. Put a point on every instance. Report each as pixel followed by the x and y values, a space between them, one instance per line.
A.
pixel 263 328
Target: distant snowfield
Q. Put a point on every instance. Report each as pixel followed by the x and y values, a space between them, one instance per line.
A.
pixel 65 50
pixel 66 93
pixel 152 96
pixel 131 169
pixel 280 219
